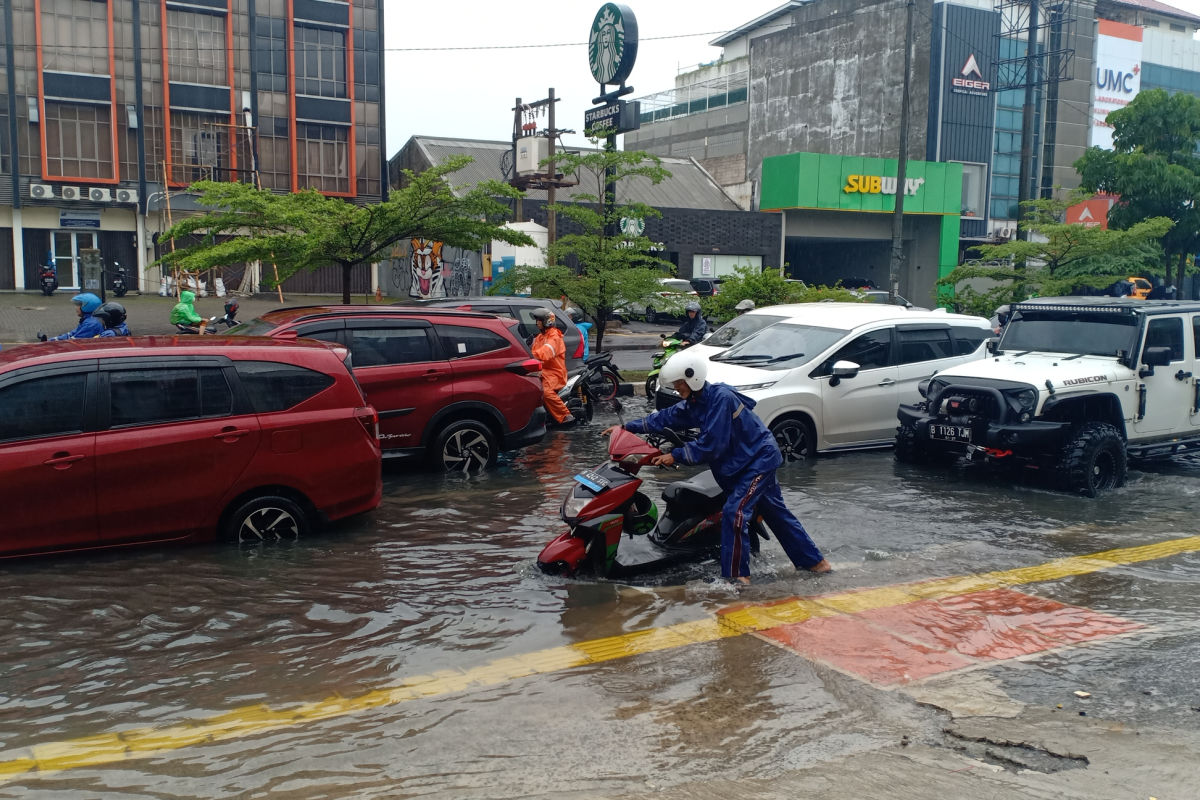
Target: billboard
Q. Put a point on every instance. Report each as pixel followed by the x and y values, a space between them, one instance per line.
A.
pixel 1118 76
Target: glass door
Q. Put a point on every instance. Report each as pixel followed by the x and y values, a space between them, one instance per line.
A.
pixel 65 246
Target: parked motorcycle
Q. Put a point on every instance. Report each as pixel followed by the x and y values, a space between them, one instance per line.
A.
pixel 229 320
pixel 597 382
pixel 49 278
pixel 616 531
pixel 668 347
pixel 119 284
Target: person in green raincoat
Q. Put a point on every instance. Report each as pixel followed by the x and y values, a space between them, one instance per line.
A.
pixel 184 312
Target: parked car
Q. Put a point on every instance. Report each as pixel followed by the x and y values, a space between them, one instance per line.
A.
pixel 455 387
pixel 669 302
pixel 706 287
pixel 521 309
pixel 114 442
pixel 831 376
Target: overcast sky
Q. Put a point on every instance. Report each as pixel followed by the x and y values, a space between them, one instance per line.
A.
pixel 436 90
pixel 511 50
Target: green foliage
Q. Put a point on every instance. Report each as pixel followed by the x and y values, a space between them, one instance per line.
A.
pixel 1069 258
pixel 767 288
pixel 306 230
pixel 1153 169
pixel 598 268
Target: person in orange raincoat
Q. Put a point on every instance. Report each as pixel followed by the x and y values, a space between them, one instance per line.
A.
pixel 548 347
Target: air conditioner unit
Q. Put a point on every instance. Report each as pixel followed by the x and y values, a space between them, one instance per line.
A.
pixel 40 191
pixel 1004 233
pixel 127 196
pixel 100 195
pixel 70 193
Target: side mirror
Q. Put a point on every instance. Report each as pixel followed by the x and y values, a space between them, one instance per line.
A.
pixel 843 369
pixel 1155 357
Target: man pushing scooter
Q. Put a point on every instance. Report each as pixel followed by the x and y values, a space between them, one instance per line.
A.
pixel 743 457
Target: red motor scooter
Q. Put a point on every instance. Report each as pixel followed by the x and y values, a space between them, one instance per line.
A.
pixel 616 531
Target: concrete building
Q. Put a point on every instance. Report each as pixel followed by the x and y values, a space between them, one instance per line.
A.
pixel 824 77
pixel 109 109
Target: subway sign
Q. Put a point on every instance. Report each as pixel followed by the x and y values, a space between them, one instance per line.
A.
pixel 880 184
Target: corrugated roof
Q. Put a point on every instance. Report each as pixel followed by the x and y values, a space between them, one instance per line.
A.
pixel 688 187
pixel 1160 8
pixel 757 23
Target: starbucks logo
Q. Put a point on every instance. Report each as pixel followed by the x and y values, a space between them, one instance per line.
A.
pixel 633 226
pixel 612 44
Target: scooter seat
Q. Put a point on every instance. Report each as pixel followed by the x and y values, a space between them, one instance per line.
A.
pixel 701 490
pixel 598 358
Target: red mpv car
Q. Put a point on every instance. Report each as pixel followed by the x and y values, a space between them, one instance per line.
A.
pixel 123 441
pixel 454 387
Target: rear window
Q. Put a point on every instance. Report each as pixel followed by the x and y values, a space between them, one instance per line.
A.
pixel 967 339
pixel 459 341
pixel 255 327
pixel 679 285
pixel 48 406
pixel 276 387
pixel 150 396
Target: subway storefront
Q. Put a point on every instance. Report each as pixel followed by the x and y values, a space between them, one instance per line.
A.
pixel 837 218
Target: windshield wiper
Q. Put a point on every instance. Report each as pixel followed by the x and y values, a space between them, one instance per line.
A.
pixel 742 357
pixel 778 359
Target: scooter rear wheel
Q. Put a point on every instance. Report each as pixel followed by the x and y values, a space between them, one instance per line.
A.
pixel 604 385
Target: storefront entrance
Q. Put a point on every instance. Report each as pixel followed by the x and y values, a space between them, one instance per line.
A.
pixel 65 247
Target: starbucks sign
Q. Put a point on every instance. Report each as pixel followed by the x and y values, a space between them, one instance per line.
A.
pixel 612 44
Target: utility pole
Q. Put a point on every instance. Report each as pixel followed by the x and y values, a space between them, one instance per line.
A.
pixel 524 127
pixel 1025 189
pixel 896 264
pixel 551 215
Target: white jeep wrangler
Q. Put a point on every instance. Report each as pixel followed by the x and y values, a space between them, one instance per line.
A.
pixel 1073 386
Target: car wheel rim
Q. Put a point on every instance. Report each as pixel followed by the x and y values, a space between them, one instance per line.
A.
pixel 465 451
pixel 269 523
pixel 792 439
pixel 1104 471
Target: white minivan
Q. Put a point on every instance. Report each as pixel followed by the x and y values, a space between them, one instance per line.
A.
pixel 831 376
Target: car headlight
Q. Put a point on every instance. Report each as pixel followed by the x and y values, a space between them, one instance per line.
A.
pixel 749 387
pixel 1026 400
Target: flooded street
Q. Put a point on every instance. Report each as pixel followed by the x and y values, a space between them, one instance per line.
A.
pixel 161 673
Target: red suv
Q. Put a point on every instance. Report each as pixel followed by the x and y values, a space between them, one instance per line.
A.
pixel 122 441
pixel 456 387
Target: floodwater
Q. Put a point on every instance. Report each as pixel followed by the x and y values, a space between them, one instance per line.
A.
pixel 442 577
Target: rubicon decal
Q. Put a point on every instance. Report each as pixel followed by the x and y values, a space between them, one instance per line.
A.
pixel 1092 379
pixel 970 79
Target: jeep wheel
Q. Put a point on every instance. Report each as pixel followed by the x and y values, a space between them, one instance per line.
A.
pixel 796 439
pixel 1094 460
pixel 909 448
pixel 464 446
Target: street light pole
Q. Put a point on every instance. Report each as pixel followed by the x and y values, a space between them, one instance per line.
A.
pixel 896 264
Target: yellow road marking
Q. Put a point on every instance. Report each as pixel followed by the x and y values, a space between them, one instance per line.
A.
pixel 117 746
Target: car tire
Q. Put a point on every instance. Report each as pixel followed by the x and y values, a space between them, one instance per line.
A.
pixel 796 438
pixel 1094 460
pixel 909 448
pixel 651 315
pixel 266 518
pixel 465 445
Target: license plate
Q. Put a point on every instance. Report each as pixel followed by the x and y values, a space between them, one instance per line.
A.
pixel 950 433
pixel 592 480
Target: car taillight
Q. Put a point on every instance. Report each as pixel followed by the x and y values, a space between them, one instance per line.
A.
pixel 369 419
pixel 526 366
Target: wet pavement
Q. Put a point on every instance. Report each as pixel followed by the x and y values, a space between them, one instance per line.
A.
pixel 418 651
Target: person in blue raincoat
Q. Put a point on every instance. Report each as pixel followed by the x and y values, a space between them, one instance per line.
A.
pixel 743 457
pixel 89 327
pixel 112 315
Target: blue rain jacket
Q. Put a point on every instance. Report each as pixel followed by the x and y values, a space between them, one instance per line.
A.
pixel 88 328
pixel 119 330
pixel 733 441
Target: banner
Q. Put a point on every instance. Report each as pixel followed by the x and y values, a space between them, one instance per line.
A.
pixel 1118 76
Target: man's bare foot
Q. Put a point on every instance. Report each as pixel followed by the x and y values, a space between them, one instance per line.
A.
pixel 821 566
pixel 744 580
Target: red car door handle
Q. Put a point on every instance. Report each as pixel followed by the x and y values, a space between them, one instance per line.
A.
pixel 231 433
pixel 432 374
pixel 62 460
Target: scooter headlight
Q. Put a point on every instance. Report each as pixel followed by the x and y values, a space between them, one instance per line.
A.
pixel 573 505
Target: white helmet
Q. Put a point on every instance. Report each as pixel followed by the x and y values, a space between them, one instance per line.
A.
pixel 685 366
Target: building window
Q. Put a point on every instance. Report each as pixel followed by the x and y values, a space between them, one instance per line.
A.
pixel 78 141
pixel 324 157
pixel 75 36
pixel 320 62
pixel 1177 27
pixel 271 53
pixel 199 148
pixel 974 191
pixel 196 47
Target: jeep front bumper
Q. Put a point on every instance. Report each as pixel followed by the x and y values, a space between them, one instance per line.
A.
pixel 1022 438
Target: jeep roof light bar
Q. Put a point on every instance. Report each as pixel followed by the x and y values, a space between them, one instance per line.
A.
pixel 1089 308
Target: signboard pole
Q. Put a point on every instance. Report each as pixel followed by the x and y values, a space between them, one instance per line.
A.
pixel 896 264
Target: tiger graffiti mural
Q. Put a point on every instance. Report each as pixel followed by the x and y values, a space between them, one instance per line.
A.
pixel 426 270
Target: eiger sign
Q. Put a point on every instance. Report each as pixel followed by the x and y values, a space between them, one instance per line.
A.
pixel 612 44
pixel 970 79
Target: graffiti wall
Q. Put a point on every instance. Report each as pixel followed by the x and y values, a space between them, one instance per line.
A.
pixel 421 269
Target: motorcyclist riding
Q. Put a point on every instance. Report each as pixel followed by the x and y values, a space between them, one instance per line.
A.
pixel 548 348
pixel 184 312
pixel 112 316
pixel 694 327
pixel 743 457
pixel 89 327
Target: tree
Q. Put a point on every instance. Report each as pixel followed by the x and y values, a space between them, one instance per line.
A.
pixel 599 267
pixel 1068 258
pixel 306 230
pixel 1153 169
pixel 766 287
